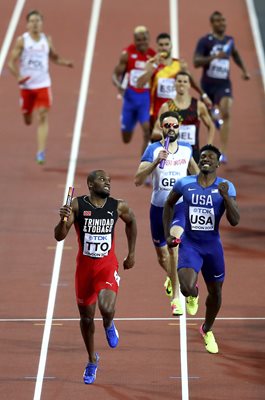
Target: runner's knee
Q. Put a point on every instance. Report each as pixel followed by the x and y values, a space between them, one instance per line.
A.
pixel 126 137
pixel 86 321
pixel 163 260
pixel 28 119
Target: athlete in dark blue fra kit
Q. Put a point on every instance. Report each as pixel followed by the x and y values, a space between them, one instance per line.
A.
pixel 206 197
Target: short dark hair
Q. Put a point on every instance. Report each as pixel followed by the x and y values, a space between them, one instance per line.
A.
pixel 215 14
pixel 211 148
pixel 93 175
pixel 33 12
pixel 163 35
pixel 183 73
pixel 168 114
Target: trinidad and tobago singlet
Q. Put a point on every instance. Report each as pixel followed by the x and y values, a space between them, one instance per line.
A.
pixel 190 123
pixel 136 65
pixel 34 62
pixel 95 229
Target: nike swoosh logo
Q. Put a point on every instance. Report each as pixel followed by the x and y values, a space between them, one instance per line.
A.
pixel 190 189
pixel 218 276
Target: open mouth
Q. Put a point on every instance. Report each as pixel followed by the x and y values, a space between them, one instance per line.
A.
pixel 206 164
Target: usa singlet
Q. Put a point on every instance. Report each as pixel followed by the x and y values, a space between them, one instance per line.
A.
pixel 34 62
pixel 204 207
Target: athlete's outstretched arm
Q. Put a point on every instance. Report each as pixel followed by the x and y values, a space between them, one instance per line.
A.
pixel 54 56
pixel 146 168
pixel 127 215
pixel 238 60
pixel 157 131
pixel 207 120
pixel 62 228
pixel 119 71
pixel 14 57
pixel 168 213
pixel 193 167
pixel 232 211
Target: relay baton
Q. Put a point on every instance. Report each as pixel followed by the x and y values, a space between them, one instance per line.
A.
pixel 175 242
pixel 166 144
pixel 69 199
pixel 23 80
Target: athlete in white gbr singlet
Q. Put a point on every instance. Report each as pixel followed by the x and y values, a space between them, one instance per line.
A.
pixel 178 159
pixel 33 50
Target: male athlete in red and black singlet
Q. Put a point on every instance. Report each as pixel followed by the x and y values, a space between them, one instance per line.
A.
pixel 190 111
pixel 97 279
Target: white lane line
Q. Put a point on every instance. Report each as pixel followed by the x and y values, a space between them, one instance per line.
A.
pixel 135 319
pixel 257 38
pixel 184 351
pixel 174 33
pixel 10 32
pixel 91 39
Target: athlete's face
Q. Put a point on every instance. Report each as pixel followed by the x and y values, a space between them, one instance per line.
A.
pixel 101 185
pixel 219 24
pixel 170 128
pixel 164 46
pixel 208 162
pixel 34 24
pixel 182 84
pixel 141 41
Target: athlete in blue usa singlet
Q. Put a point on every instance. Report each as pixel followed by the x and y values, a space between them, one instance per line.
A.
pixel 203 209
pixel 205 198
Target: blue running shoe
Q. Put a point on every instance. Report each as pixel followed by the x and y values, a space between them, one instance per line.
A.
pixel 112 335
pixel 90 372
pixel 40 157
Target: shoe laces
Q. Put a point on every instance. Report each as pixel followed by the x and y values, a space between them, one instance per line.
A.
pixel 90 369
pixel 111 331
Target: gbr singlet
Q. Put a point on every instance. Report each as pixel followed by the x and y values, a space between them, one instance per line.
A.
pixel 175 168
pixel 95 229
pixel 34 62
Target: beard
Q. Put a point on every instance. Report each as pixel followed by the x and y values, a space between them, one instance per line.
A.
pixel 103 195
pixel 174 137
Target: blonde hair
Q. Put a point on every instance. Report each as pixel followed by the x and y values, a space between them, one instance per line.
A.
pixel 140 29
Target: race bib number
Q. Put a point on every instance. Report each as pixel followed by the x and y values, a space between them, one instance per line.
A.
pixel 35 63
pixel 187 133
pixel 219 69
pixel 166 88
pixel 167 179
pixel 134 75
pixel 201 219
pixel 96 246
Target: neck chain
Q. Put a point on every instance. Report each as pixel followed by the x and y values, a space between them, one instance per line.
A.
pixel 87 200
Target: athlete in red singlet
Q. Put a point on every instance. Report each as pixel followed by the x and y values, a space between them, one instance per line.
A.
pixel 161 71
pixel 97 279
pixel 33 50
pixel 136 101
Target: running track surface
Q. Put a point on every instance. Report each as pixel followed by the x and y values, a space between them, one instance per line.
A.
pixel 146 365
